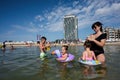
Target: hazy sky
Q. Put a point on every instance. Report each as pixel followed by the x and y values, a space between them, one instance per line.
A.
pixel 22 20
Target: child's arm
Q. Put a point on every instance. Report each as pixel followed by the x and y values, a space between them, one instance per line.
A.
pixel 62 58
pixel 80 57
pixel 94 55
pixel 83 55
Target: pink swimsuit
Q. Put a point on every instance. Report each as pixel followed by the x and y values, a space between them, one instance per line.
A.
pixel 89 58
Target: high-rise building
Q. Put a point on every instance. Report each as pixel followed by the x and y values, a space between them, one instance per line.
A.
pixel 70 27
pixel 113 34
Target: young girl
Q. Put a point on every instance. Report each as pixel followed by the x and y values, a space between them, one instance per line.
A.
pixel 88 54
pixel 64 53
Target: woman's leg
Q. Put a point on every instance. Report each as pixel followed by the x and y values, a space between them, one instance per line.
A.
pixel 101 58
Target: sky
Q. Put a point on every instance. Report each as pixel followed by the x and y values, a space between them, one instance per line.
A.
pixel 22 20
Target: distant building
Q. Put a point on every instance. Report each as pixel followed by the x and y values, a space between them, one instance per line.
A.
pixel 70 27
pixel 113 34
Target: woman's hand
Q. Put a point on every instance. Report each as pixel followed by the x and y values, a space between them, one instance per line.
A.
pixel 91 38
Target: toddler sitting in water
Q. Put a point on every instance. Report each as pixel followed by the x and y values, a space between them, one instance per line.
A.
pixel 63 56
pixel 88 54
pixel 64 53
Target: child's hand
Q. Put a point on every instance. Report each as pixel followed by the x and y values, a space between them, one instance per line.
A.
pixel 79 58
pixel 53 52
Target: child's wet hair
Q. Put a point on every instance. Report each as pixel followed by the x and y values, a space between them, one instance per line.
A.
pixel 87 44
pixel 65 46
pixel 43 38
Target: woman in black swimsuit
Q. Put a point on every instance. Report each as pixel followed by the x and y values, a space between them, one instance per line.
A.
pixel 98 40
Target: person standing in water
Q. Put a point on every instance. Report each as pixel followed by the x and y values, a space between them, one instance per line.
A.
pixel 43 47
pixel 3 47
pixel 11 47
pixel 98 40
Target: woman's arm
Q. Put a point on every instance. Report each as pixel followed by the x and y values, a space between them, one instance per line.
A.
pixel 101 43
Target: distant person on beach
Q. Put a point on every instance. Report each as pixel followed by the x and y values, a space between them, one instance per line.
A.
pixel 98 40
pixel 88 54
pixel 11 47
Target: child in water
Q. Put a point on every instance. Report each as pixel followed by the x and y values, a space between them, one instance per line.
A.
pixel 3 47
pixel 64 53
pixel 88 54
pixel 11 47
pixel 43 47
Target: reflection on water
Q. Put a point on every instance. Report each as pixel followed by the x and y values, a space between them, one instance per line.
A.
pixel 24 63
pixel 90 72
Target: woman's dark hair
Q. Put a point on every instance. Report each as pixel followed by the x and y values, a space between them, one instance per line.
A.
pixel 43 38
pixel 97 24
pixel 65 46
pixel 87 44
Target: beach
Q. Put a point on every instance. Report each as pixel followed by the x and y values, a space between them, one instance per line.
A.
pixel 56 44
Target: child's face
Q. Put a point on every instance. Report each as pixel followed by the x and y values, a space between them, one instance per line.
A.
pixel 43 40
pixel 63 50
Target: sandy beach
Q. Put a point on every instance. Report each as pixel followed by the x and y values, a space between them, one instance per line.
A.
pixel 80 44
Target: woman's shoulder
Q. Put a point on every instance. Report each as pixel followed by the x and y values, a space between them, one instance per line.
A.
pixel 104 35
pixel 92 34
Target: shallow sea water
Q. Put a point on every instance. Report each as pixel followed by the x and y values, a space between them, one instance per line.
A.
pixel 24 63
